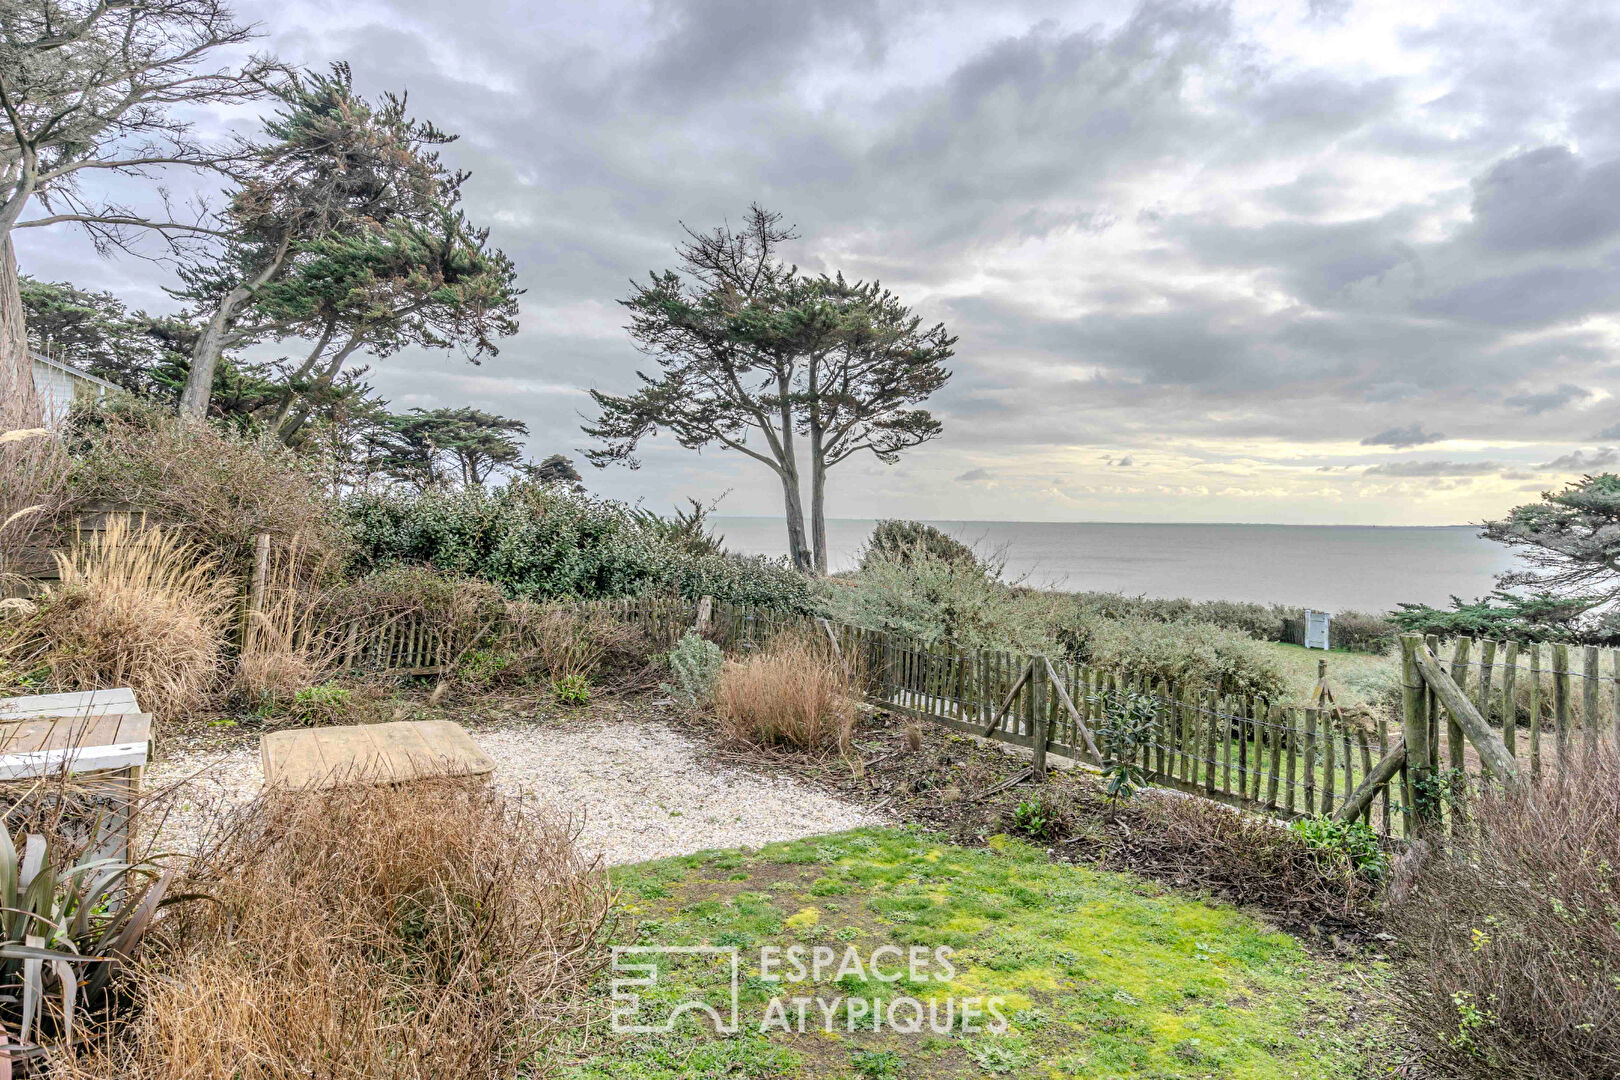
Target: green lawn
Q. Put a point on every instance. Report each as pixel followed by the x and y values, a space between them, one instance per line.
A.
pixel 1103 975
pixel 1356 678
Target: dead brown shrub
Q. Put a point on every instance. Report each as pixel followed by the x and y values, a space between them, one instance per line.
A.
pixel 135 607
pixel 1242 856
pixel 1513 934
pixel 34 501
pixel 286 645
pixel 561 638
pixel 224 488
pixel 794 692
pixel 436 931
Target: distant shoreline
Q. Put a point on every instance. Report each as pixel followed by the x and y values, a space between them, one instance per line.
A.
pixel 1156 524
pixel 1370 568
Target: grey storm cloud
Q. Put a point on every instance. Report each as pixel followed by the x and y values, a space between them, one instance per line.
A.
pixel 1410 435
pixel 1146 223
pixel 1434 468
pixel 1599 458
pixel 1540 401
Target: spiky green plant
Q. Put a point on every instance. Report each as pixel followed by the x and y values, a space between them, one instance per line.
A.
pixel 63 934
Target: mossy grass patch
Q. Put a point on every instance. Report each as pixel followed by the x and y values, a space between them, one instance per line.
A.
pixel 1101 974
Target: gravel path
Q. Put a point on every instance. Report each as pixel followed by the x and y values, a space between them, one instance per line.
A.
pixel 642 790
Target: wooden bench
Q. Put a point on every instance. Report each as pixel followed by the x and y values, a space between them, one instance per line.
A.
pixel 98 735
pixel 389 753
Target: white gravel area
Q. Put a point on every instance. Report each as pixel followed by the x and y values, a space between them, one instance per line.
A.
pixel 640 790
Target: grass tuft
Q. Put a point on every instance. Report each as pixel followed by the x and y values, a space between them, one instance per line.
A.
pixel 793 693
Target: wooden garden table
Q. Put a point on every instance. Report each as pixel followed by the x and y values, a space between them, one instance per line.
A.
pixel 97 735
pixel 390 753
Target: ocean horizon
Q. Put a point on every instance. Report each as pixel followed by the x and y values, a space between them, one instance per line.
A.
pixel 1328 567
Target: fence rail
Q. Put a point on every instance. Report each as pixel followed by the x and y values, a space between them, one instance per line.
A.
pixel 1493 712
pixel 1485 714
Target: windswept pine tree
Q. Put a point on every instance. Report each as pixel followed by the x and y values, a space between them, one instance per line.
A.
pixel 796 372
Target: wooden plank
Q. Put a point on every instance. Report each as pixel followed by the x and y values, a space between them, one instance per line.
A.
pixel 1079 722
pixel 1561 703
pixel 1614 678
pixel 1290 793
pixel 1535 710
pixel 1224 716
pixel 1037 704
pixel 76 760
pixel 78 703
pixel 1328 750
pixel 1366 770
pixel 1463 713
pixel 1006 703
pixel 1310 760
pixel 1375 780
pixel 1432 709
pixel 1510 704
pixel 1383 748
pixel 1213 722
pixel 376 753
pixel 1589 698
pixel 1275 716
pixel 1454 731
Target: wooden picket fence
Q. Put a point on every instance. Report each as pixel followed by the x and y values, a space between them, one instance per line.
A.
pixel 420 643
pixel 1287 760
pixel 1494 713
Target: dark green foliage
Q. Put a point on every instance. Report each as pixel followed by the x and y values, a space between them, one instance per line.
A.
pixel 556 469
pixel 94 332
pixel 1263 622
pixel 571 689
pixel 688 530
pixel 1040 819
pixel 433 447
pixel 544 542
pixel 1126 730
pixel 1569 543
pixel 776 365
pixel 1361 631
pixel 1352 841
pixel 344 231
pixel 1570 540
pixel 902 541
pixel 1501 616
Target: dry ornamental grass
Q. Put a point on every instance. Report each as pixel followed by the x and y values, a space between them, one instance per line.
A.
pixel 793 693
pixel 433 931
pixel 136 608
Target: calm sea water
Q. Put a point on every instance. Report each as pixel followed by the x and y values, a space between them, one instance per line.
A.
pixel 1330 567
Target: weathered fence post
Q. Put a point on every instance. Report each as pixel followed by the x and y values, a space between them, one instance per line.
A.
pixel 705 614
pixel 256 586
pixel 1415 732
pixel 1589 698
pixel 1042 729
pixel 1561 703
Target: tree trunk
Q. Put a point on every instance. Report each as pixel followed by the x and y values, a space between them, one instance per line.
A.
pixel 205 357
pixel 798 547
pixel 20 406
pixel 818 504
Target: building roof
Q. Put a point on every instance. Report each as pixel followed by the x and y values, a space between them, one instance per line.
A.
pixel 73 372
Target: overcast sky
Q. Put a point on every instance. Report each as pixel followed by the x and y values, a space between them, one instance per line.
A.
pixel 1301 261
